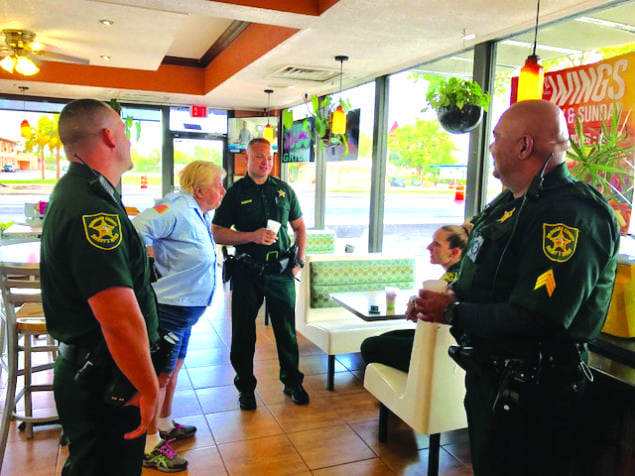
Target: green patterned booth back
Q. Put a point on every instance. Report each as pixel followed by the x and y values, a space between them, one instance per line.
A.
pixel 358 275
pixel 320 242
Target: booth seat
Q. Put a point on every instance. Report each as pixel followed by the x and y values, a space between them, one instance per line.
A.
pixel 320 242
pixel 430 396
pixel 331 327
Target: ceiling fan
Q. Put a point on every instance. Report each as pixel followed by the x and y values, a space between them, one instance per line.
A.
pixel 20 46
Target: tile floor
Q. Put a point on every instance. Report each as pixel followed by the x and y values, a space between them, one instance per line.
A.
pixel 336 434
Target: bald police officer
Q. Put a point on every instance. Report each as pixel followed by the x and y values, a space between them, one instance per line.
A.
pixel 534 287
pixel 95 287
pixel 266 270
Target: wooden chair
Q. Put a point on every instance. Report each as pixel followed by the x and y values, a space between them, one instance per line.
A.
pixel 22 323
pixel 429 397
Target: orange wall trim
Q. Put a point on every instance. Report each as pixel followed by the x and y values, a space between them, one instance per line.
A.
pixel 168 78
pixel 250 45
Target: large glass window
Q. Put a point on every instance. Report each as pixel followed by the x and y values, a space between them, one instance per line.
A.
pixel 426 165
pixel 586 39
pixel 31 158
pixel 348 177
pixel 301 176
pixel 141 186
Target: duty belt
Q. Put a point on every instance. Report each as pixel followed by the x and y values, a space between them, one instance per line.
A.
pixel 275 263
pixel 73 353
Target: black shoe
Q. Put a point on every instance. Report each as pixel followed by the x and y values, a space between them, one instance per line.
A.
pixel 247 401
pixel 297 394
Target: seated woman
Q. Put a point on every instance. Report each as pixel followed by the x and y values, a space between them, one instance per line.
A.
pixel 394 348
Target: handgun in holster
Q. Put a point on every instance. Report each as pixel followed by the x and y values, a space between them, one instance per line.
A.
pixel 467 358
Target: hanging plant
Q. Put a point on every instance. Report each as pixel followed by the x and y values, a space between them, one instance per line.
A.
pixel 321 113
pixel 459 103
pixel 128 121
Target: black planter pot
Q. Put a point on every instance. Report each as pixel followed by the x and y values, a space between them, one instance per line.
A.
pixel 459 121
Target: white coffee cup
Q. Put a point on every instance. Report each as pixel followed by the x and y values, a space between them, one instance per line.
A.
pixel 435 285
pixel 273 225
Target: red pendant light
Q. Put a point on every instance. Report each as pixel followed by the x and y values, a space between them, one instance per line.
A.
pixel 268 132
pixel 532 75
pixel 338 118
pixel 25 129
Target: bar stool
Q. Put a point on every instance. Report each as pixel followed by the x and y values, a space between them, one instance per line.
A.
pixel 22 323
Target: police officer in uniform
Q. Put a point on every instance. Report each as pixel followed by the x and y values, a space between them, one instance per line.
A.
pixel 95 289
pixel 534 287
pixel 265 269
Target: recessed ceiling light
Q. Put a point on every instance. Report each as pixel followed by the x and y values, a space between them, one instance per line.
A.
pixel 106 22
pixel 105 57
pixel 469 37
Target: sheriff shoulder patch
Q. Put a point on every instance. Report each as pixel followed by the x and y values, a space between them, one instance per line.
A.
pixel 103 230
pixel 559 241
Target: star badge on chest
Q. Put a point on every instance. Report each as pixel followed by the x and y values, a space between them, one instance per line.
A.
pixel 281 193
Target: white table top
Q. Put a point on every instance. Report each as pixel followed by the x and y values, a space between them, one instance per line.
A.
pixel 359 304
pixel 21 254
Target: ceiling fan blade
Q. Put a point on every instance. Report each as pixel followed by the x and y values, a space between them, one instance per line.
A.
pixel 60 57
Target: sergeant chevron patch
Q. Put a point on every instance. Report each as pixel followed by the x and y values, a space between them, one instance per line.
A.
pixel 547 280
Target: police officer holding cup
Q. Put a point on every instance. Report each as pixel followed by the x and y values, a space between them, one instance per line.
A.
pixel 534 287
pixel 266 265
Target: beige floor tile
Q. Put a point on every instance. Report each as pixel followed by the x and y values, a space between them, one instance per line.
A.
pixel 185 404
pixel 209 340
pixel 202 461
pixel 343 383
pixel 317 414
pixel 369 467
pixel 206 357
pixel 242 425
pixel 330 446
pixel 212 376
pixel 36 457
pixel 272 455
pixel 218 399
pixel 318 364
pixel 355 406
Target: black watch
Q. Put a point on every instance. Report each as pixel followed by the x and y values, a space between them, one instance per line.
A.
pixel 449 314
pixel 300 262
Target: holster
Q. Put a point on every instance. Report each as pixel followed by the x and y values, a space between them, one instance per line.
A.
pixel 229 265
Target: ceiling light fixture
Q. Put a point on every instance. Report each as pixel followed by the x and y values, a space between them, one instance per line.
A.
pixel 20 64
pixel 469 37
pixel 105 57
pixel 338 119
pixel 106 22
pixel 532 74
pixel 268 131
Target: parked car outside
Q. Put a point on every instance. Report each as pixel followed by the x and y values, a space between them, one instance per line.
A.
pixel 397 182
pixel 8 168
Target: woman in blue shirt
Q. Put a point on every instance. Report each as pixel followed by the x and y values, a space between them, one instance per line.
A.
pixel 177 231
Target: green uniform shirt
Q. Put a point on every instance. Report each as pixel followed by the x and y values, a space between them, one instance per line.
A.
pixel 247 206
pixel 89 245
pixel 555 255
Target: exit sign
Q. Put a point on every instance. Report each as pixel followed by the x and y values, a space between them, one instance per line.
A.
pixel 198 111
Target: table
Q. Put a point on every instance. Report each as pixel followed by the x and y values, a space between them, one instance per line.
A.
pixel 21 254
pixel 359 304
pixel 20 230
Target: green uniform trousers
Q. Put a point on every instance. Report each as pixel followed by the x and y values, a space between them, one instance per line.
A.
pixel 248 291
pixel 537 437
pixel 94 429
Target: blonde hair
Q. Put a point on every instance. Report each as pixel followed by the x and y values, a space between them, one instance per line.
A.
pixel 199 174
pixel 458 235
